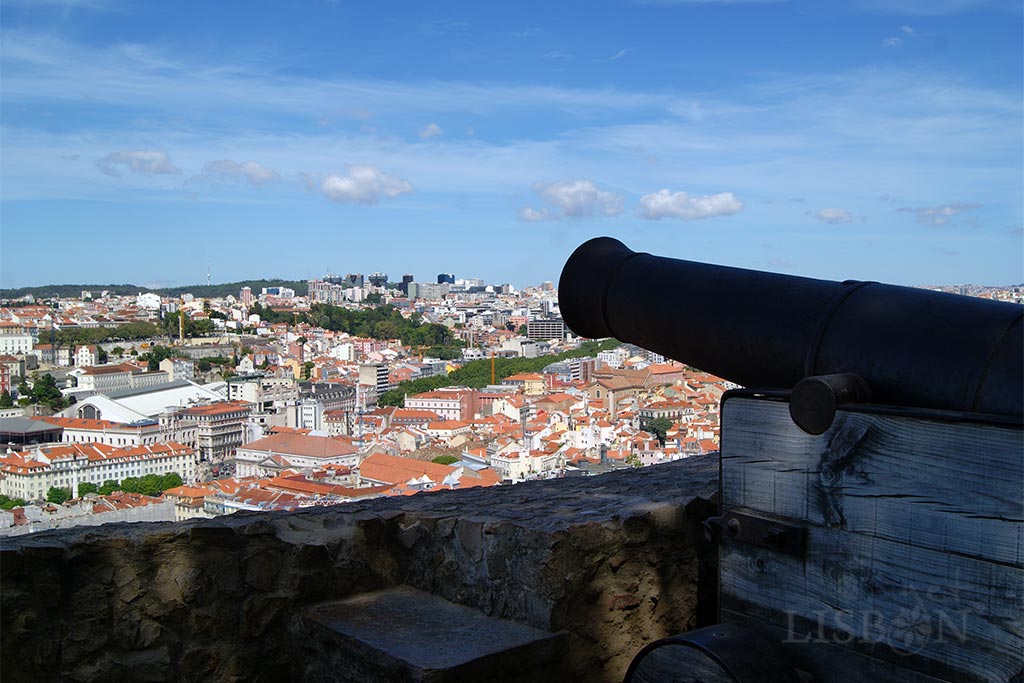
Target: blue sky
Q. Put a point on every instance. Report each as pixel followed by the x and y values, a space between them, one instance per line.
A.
pixel 148 142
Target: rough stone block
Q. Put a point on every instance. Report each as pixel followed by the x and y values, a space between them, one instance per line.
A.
pixel 403 634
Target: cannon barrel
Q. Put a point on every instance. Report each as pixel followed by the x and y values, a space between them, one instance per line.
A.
pixel 914 347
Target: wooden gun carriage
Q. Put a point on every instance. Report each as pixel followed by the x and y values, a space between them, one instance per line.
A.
pixel 871 521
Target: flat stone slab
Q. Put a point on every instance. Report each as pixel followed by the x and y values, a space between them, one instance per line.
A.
pixel 404 634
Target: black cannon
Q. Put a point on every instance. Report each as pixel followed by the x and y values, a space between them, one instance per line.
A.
pixel 912 347
pixel 870 510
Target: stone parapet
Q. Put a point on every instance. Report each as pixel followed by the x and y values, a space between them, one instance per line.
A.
pixel 611 560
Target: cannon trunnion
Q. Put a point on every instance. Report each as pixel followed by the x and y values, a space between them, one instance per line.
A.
pixel 871 521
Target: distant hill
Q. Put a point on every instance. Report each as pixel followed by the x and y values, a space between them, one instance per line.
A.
pixel 205 291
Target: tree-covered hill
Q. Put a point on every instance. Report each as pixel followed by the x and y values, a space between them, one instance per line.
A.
pixel 204 291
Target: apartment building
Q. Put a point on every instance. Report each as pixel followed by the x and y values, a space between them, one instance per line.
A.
pixel 30 474
pixel 270 455
pixel 220 428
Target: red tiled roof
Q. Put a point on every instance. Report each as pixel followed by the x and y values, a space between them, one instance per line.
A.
pixel 291 443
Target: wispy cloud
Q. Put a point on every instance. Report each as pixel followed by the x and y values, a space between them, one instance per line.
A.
pixel 710 2
pixel 364 185
pixel 935 7
pixel 907 133
pixel 620 54
pixel 666 204
pixel 573 199
pixel 939 215
pixel 139 162
pixel 255 174
pixel 833 216
pixel 531 215
pixel 440 27
pixel 892 42
pixel 431 130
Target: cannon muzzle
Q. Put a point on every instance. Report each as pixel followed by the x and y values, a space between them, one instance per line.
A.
pixel 913 347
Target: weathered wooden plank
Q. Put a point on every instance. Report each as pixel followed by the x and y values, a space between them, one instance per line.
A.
pixel 830 662
pixel 949 616
pixel 952 487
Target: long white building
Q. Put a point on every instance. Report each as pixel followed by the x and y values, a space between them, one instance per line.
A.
pixel 30 474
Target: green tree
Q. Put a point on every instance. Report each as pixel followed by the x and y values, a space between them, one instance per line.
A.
pixel 8 503
pixel 87 487
pixel 108 487
pixel 6 400
pixel 522 331
pixel 102 355
pixel 130 485
pixel 117 351
pixel 157 354
pixel 659 426
pixel 170 480
pixel 445 459
pixel 204 365
pixel 45 391
pixel 307 369
pixel 57 495
pixel 149 485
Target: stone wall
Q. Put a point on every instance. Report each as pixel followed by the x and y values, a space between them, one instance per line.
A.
pixel 612 560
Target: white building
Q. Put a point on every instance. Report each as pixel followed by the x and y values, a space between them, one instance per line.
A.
pixel 104 379
pixel 14 339
pixel 268 456
pixel 87 354
pixel 148 301
pixel 30 474
pixel 179 368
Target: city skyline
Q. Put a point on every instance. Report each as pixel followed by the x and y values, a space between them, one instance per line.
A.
pixel 868 140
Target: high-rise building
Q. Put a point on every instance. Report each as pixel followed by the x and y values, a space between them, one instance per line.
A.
pixel 354 280
pixel 245 296
pixel 545 328
pixel 326 291
pixel 445 277
pixel 406 279
pixel 375 375
pixel 378 279
pixel 427 290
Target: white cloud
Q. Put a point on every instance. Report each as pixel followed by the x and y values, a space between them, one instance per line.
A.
pixel 140 162
pixel 431 130
pixel 364 185
pixel 534 215
pixel 834 216
pixel 936 7
pixel 573 199
pixel 939 215
pixel 908 30
pixel 892 42
pixel 665 204
pixel 620 54
pixel 228 169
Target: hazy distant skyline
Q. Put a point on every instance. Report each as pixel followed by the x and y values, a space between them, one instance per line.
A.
pixel 148 142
